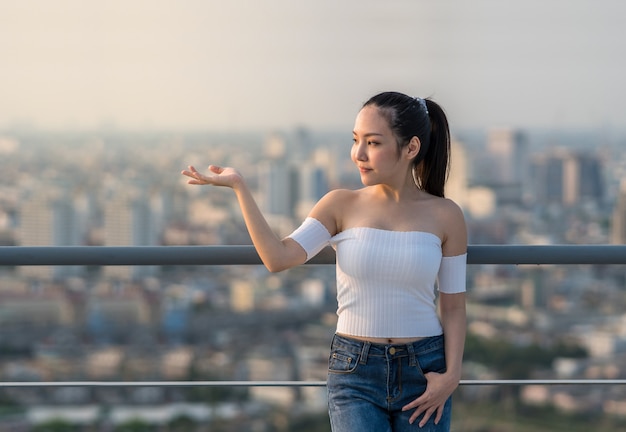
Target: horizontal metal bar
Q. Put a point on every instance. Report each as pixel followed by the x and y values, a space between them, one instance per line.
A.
pixel 546 254
pixel 546 382
pixel 163 384
pixel 247 255
pixel 126 384
pixel 138 255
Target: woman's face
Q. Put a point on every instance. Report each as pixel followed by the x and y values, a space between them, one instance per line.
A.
pixel 375 149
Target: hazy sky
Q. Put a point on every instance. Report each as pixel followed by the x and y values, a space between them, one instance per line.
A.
pixel 237 64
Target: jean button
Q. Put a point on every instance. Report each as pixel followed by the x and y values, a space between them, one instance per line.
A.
pixel 392 350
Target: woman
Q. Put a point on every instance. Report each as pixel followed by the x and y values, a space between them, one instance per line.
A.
pixel 397 240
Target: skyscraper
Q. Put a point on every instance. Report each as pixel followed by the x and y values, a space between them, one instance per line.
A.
pixel 509 149
pixel 130 219
pixel 504 165
pixel 48 216
pixel 313 185
pixel 618 228
pixel 568 178
pixel 277 187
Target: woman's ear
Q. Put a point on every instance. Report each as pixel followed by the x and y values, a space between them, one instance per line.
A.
pixel 413 148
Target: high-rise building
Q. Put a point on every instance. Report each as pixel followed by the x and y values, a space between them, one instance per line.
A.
pixel 618 228
pixel 313 185
pixel 568 178
pixel 508 149
pixel 131 218
pixel 590 184
pixel 48 216
pixel 277 187
pixel 504 165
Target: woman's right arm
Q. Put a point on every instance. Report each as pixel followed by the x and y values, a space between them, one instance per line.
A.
pixel 277 254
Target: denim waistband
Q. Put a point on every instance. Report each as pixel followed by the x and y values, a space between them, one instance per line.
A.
pixel 369 349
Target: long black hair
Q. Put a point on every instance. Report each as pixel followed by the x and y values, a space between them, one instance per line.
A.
pixel 410 117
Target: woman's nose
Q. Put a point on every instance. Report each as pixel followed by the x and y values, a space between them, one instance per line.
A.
pixel 360 152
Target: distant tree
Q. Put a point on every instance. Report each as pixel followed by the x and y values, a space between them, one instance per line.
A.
pixel 182 423
pixel 513 361
pixel 135 425
pixel 56 425
pixel 310 423
pixel 213 395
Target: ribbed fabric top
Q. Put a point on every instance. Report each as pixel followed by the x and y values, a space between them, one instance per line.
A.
pixel 386 282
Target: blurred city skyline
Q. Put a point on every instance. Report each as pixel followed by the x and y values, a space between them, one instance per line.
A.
pixel 244 64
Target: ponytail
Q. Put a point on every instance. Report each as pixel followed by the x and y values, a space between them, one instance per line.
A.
pixel 433 171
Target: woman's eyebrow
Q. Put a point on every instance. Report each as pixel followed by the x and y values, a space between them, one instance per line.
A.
pixel 369 134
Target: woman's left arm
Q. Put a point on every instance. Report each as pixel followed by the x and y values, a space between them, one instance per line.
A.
pixel 453 320
pixel 441 385
pixel 452 297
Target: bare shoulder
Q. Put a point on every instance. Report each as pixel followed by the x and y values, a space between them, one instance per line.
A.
pixel 446 208
pixel 341 194
pixel 338 198
pixel 452 223
pixel 331 207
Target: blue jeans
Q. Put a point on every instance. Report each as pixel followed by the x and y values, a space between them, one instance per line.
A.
pixel 368 384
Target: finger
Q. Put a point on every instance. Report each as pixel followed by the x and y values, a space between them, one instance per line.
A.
pixel 415 415
pixel 439 414
pixel 426 417
pixel 215 169
pixel 188 174
pixel 417 402
pixel 196 178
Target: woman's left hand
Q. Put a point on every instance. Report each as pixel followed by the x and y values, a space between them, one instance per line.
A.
pixel 438 388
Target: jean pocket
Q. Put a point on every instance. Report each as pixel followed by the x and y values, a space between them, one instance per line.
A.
pixel 434 361
pixel 342 362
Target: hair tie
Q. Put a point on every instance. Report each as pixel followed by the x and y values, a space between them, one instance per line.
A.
pixel 422 102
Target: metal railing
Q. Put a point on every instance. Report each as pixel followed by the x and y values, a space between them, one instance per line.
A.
pixel 131 384
pixel 246 255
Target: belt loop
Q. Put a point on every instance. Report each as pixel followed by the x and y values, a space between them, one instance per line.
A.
pixel 365 352
pixel 412 358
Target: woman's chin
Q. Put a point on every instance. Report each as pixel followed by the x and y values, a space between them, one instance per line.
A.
pixel 368 181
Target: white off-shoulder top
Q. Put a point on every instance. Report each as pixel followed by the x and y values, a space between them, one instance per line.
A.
pixel 386 280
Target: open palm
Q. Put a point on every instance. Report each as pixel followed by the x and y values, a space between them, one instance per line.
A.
pixel 217 176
